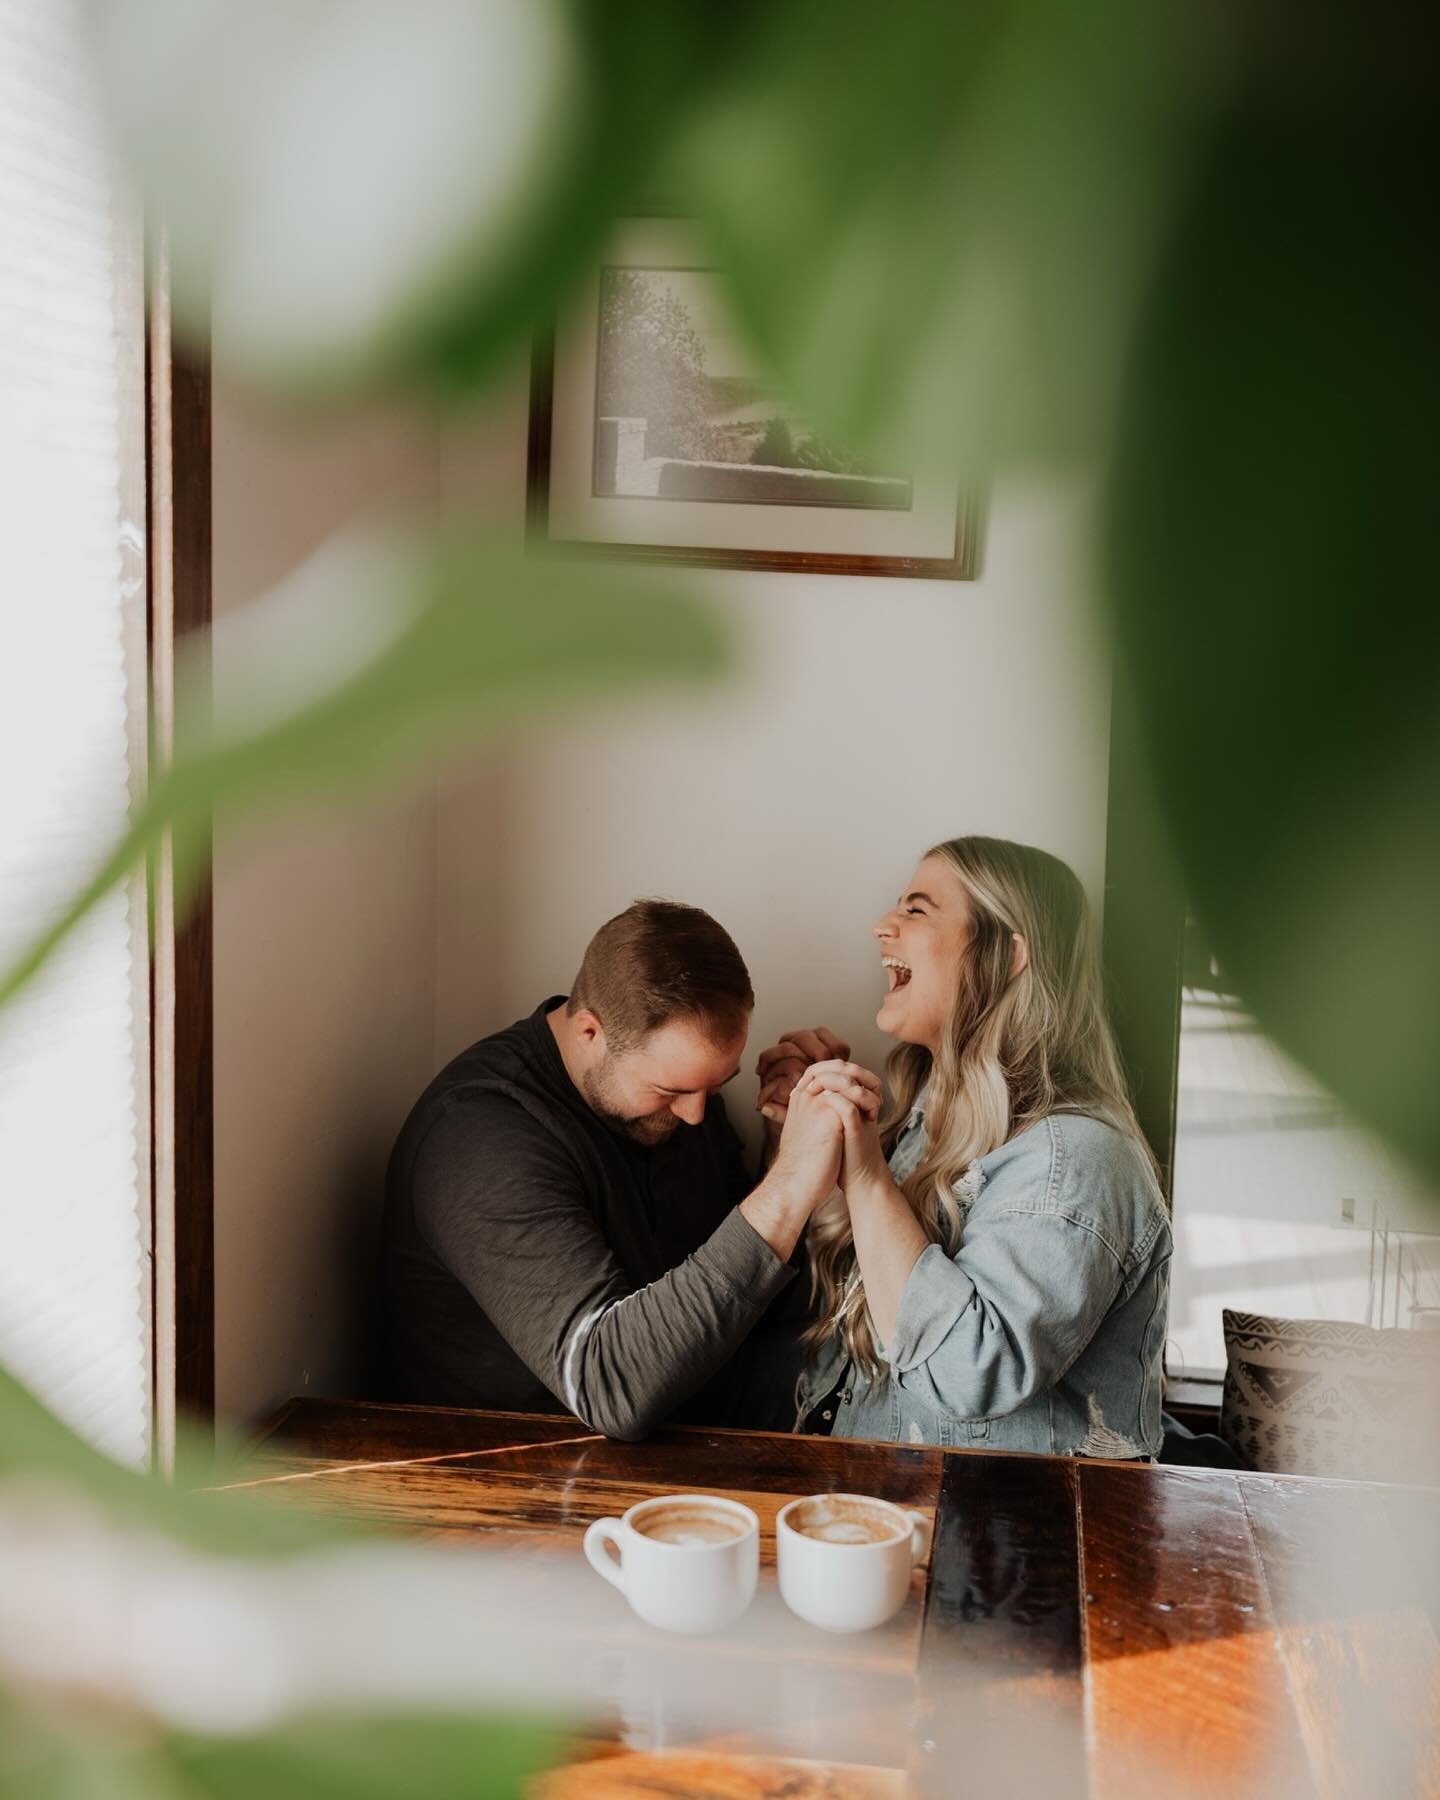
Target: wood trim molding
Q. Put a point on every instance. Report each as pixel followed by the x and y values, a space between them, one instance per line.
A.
pixel 182 976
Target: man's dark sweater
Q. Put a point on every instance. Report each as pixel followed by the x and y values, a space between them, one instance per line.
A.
pixel 535 1259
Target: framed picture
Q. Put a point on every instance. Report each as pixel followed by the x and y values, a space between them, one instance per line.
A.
pixel 652 435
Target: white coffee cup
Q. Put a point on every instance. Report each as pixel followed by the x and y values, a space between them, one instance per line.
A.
pixel 682 1580
pixel 856 1574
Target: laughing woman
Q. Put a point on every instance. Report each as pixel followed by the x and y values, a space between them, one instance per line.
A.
pixel 998 1271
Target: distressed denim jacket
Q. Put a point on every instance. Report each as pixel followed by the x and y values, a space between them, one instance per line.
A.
pixel 1046 1328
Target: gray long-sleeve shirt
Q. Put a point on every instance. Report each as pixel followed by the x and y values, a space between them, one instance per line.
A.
pixel 533 1258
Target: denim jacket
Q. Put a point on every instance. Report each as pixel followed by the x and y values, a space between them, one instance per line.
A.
pixel 1046 1328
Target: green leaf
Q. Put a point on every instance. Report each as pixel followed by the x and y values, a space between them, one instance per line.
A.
pixel 435 1756
pixel 47 1754
pixel 358 194
pixel 326 172
pixel 41 1452
pixel 643 72
pixel 86 1745
pixel 80 1752
pixel 444 638
pixel 935 219
pixel 1268 548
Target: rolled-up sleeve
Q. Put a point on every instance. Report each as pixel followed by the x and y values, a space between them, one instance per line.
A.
pixel 980 1333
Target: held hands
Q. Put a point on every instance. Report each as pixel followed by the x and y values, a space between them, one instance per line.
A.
pixel 852 1096
pixel 828 1114
pixel 782 1065
pixel 811 1148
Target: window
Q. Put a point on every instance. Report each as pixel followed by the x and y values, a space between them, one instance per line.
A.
pixel 1281 1205
pixel 75 1291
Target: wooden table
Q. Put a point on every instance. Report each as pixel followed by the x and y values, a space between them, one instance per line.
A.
pixel 1082 1628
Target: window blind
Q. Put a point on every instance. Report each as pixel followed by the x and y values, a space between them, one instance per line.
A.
pixel 74 1152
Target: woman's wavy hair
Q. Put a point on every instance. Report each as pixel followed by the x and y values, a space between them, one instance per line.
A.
pixel 1016 1048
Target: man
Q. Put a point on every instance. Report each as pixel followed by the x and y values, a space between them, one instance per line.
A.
pixel 568 1218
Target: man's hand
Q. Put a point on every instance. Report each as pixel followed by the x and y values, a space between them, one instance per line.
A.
pixel 811 1145
pixel 889 1239
pixel 854 1094
pixel 803 1173
pixel 782 1065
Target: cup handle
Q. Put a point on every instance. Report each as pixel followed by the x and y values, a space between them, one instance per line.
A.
pixel 919 1536
pixel 602 1548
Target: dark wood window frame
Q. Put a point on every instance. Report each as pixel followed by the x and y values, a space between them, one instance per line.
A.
pixel 178 569
pixel 1144 935
pixel 1144 954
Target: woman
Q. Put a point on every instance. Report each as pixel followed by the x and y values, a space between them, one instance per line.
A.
pixel 997 1271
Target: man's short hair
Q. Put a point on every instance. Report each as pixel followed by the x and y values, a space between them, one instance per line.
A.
pixel 659 960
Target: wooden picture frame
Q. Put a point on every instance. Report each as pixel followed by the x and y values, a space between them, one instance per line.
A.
pixel 698 463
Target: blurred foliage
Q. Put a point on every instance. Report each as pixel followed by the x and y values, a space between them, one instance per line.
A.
pixel 394 1757
pixel 406 1757
pixel 293 144
pixel 82 1744
pixel 468 637
pixel 1180 246
pixel 1174 245
pixel 1268 549
pixel 935 221
pixel 346 1758
pixel 36 1446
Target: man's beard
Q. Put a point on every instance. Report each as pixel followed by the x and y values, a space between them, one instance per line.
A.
pixel 652 1129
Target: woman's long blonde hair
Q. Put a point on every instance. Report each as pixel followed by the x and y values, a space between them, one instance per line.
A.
pixel 1015 1049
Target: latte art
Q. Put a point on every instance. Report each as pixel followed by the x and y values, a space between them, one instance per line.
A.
pixel 844 1521
pixel 689 1525
pixel 848 1531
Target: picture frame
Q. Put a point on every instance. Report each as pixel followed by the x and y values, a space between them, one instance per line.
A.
pixel 654 438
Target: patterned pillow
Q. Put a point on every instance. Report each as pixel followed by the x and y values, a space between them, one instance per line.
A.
pixel 1315 1397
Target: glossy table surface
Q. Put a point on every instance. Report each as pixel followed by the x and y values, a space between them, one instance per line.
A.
pixel 1081 1627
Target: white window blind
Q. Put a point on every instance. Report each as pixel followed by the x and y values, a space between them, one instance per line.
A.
pixel 74 1152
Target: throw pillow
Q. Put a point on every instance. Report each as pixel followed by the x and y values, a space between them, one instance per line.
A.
pixel 1318 1397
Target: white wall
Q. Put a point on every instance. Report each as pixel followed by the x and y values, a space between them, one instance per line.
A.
pixel 872 717
pixel 324 934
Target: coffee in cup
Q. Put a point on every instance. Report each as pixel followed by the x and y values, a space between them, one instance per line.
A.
pixel 685 1562
pixel 844 1519
pixel 689 1522
pixel 845 1560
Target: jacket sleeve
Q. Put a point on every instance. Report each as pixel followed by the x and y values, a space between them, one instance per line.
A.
pixel 980 1333
pixel 502 1204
